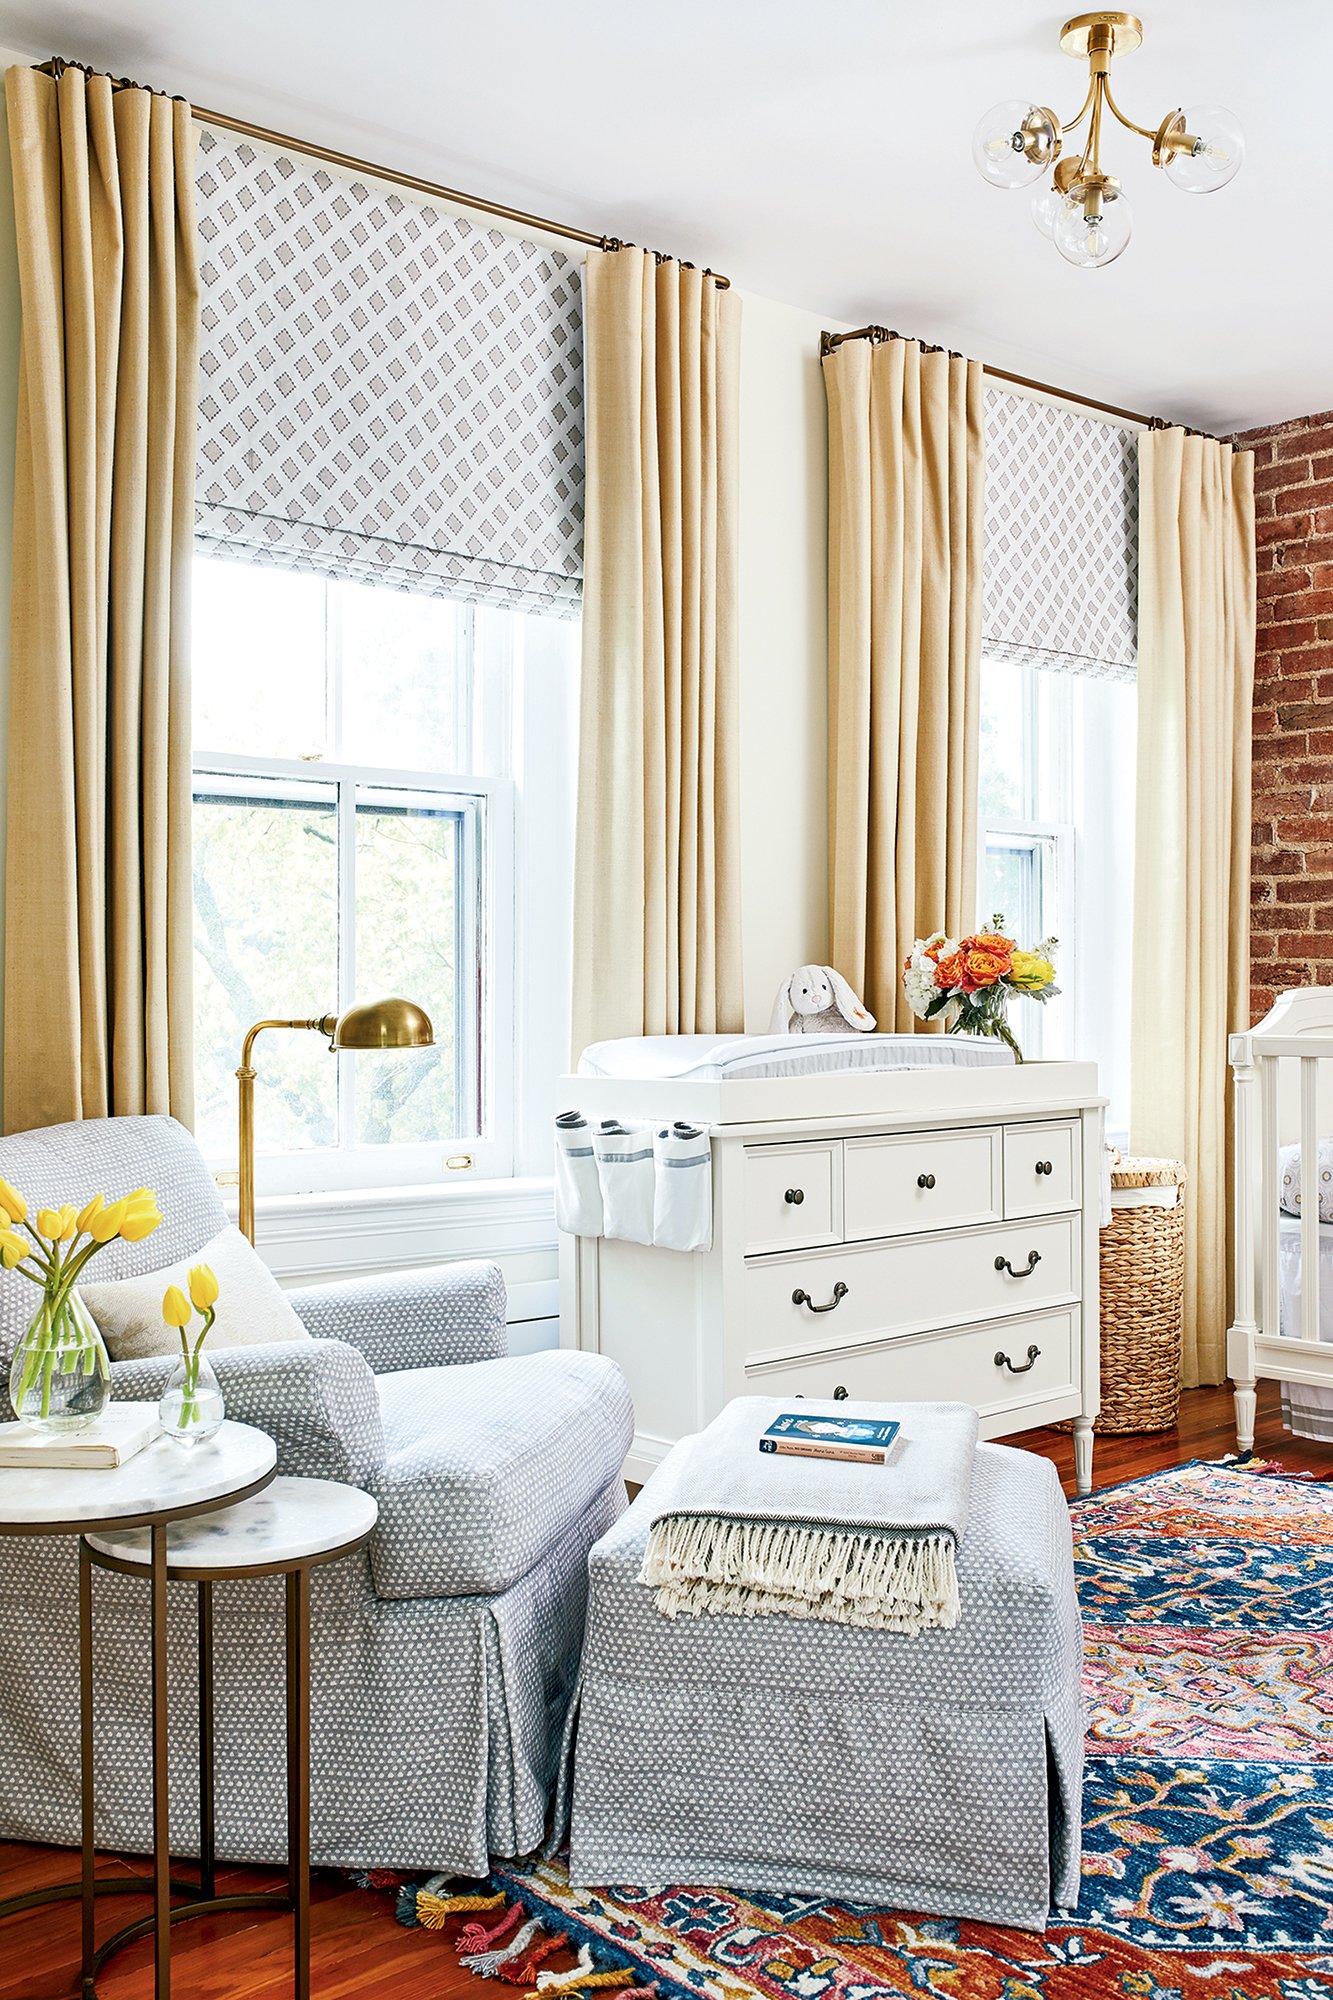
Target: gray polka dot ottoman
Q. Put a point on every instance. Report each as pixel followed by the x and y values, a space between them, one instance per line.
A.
pixel 937 1773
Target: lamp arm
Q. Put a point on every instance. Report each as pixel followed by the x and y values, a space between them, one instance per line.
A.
pixel 1073 124
pixel 245 1077
pixel 1119 115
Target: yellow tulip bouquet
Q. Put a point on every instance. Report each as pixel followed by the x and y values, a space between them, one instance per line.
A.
pixel 191 1409
pixel 59 1378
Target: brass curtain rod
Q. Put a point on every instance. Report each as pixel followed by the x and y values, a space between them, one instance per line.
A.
pixel 828 342
pixel 56 65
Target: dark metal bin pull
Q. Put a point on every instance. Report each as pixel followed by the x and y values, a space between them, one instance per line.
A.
pixel 795 1196
pixel 925 1180
pixel 1034 1258
pixel 1045 1167
pixel 1015 1368
pixel 840 1394
pixel 804 1299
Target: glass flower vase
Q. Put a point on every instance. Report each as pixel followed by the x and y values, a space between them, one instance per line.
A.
pixel 986 1012
pixel 59 1379
pixel 191 1409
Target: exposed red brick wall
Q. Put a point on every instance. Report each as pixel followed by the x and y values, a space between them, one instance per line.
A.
pixel 1292 889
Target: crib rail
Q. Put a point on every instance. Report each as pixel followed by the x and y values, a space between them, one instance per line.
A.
pixel 1256 1345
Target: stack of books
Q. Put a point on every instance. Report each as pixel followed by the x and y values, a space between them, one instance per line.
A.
pixel 122 1430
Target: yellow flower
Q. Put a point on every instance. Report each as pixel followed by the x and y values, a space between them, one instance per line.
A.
pixel 69 1221
pixel 12 1203
pixel 89 1213
pixel 203 1287
pixel 13 1249
pixel 49 1224
pixel 176 1308
pixel 1030 971
pixel 106 1223
pixel 140 1221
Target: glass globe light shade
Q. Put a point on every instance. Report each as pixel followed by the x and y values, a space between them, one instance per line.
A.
pixel 1091 241
pixel 1014 144
pixel 1046 207
pixel 1217 155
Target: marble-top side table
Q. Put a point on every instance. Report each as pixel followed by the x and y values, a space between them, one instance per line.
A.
pixel 160 1485
pixel 287 1530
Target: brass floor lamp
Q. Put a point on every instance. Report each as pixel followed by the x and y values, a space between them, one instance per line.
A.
pixel 374 1024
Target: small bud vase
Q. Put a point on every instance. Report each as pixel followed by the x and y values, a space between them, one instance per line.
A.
pixel 191 1410
pixel 59 1379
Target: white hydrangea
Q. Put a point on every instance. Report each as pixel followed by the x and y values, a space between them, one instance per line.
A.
pixel 919 974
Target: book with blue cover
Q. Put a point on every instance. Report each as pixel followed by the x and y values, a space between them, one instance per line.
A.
pixel 865 1440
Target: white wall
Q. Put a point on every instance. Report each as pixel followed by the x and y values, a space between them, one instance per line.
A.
pixel 783 726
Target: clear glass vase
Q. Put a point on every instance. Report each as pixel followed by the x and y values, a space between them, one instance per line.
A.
pixel 986 1012
pixel 191 1409
pixel 59 1379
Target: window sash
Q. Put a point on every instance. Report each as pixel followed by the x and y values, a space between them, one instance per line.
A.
pixel 484 963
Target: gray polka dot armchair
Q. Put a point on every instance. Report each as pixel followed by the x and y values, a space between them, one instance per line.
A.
pixel 443 1654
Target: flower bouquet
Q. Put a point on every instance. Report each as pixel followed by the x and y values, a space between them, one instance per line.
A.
pixel 59 1379
pixel 968 980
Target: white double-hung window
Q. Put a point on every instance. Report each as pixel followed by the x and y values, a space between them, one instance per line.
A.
pixel 359 831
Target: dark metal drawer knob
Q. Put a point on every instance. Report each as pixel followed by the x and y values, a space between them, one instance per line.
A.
pixel 925 1180
pixel 1034 1258
pixel 795 1196
pixel 799 1298
pixel 1044 1167
pixel 840 1394
pixel 1017 1367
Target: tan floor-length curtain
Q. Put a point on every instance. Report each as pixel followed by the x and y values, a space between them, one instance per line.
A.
pixel 1191 966
pixel 97 912
pixel 906 519
pixel 656 876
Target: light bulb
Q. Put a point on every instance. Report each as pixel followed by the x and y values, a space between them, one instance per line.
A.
pixel 1216 156
pixel 1014 144
pixel 1046 207
pixel 1091 240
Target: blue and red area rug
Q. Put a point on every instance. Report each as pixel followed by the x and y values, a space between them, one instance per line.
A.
pixel 1207 1597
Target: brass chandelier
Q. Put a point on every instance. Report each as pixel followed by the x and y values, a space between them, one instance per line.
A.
pixel 1084 211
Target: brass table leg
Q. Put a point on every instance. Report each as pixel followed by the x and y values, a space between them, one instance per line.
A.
pixel 87 1891
pixel 161 1772
pixel 298 1771
pixel 207 1790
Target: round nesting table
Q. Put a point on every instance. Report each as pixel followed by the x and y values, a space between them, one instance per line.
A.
pixel 159 1486
pixel 288 1530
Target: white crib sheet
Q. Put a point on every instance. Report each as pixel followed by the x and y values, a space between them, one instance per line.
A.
pixel 1306 1412
pixel 708 1058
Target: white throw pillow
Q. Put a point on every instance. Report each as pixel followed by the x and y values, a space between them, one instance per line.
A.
pixel 252 1308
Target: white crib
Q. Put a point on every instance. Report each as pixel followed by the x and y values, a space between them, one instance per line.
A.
pixel 1283 1084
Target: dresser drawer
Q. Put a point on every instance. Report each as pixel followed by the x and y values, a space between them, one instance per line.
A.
pixel 916 1181
pixel 913 1284
pixel 1042 1168
pixel 793 1196
pixel 956 1367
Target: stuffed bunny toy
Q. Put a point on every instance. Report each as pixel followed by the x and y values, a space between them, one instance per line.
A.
pixel 816 1000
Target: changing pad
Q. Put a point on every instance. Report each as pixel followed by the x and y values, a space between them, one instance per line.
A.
pixel 710 1058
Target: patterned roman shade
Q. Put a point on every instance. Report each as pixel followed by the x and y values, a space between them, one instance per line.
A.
pixel 387 391
pixel 1062 538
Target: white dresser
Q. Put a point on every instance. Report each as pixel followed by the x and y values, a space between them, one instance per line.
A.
pixel 917 1235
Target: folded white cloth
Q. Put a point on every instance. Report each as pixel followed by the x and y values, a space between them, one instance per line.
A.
pixel 578 1190
pixel 752 1534
pixel 682 1187
pixel 624 1152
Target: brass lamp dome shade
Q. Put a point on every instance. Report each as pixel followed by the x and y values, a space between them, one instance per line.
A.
pixel 391 1023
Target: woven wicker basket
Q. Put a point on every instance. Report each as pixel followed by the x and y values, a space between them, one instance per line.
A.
pixel 1143 1291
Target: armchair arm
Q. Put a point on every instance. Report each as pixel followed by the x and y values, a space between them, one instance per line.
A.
pixel 412 1319
pixel 316 1399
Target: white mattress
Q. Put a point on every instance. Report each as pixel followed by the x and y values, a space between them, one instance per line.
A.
pixel 1306 1411
pixel 711 1058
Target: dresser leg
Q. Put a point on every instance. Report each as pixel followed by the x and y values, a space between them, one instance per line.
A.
pixel 1083 1454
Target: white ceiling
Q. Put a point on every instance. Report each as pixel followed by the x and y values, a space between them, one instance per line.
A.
pixel 820 155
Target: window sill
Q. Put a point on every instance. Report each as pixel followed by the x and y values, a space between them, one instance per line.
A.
pixel 307 1238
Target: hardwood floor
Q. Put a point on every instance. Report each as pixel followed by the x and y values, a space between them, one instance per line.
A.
pixel 359 1953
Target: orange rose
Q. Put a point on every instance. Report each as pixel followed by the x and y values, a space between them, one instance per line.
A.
pixel 950 972
pixel 994 943
pixel 985 968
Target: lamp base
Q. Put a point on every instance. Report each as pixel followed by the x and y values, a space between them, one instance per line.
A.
pixel 1126 33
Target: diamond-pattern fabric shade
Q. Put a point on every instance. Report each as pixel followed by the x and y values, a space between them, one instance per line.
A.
pixel 1062 539
pixel 388 391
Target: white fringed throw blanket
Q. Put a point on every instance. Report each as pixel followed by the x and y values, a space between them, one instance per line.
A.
pixel 751 1534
